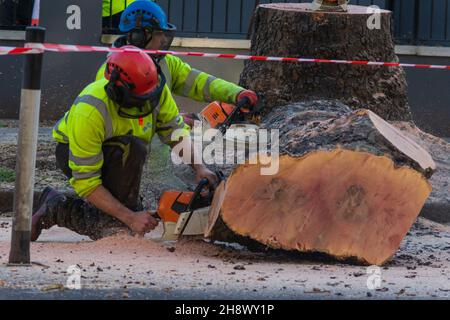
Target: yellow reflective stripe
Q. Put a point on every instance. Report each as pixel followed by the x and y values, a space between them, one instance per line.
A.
pixel 174 124
pixel 190 81
pixel 100 105
pixel 174 135
pixel 56 129
pixel 86 175
pixel 85 161
pixel 207 88
pixel 166 71
pixel 163 132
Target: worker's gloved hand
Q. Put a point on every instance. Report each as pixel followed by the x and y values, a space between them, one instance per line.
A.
pixel 251 97
pixel 190 118
pixel 202 172
pixel 142 222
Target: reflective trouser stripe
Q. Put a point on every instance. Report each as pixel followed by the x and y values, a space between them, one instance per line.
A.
pixel 207 89
pixel 100 105
pixel 190 81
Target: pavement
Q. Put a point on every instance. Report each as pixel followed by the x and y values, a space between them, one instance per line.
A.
pixel 124 267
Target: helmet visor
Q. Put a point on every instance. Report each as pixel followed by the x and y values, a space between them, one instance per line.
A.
pixel 163 39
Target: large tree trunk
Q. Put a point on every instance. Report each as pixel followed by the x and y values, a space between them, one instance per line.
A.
pixel 293 30
pixel 349 184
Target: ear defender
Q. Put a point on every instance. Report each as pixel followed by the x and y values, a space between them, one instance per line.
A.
pixel 138 37
pixel 115 92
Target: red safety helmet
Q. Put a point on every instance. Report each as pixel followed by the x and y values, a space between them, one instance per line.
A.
pixel 134 79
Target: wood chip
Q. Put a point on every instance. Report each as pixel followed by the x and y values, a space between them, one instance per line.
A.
pixel 57 286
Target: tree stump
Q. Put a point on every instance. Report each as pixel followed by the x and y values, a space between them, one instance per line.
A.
pixel 349 184
pixel 294 30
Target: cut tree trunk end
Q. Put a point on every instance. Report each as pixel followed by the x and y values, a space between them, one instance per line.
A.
pixel 349 184
pixel 294 30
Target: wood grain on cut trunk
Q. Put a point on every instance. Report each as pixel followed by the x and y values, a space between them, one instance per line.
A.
pixel 349 185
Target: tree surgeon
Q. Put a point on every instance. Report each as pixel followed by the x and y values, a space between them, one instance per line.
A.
pixel 103 145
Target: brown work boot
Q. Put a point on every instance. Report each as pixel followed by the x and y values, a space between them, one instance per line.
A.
pixel 37 224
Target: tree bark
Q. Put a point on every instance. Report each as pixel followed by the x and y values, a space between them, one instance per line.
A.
pixel 349 184
pixel 294 30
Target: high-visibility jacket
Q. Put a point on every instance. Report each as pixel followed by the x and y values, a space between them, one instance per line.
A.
pixel 93 119
pixel 188 82
pixel 111 7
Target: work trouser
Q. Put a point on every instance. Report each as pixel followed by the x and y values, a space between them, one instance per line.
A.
pixel 124 159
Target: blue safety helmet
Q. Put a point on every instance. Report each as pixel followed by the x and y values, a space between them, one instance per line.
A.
pixel 143 14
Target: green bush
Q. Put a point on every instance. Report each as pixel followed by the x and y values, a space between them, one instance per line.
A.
pixel 7 175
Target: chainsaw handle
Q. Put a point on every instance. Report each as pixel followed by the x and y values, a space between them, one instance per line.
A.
pixel 202 185
pixel 198 190
pixel 243 103
pixel 232 117
pixel 156 215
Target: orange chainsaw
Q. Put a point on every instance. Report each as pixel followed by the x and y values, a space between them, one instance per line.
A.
pixel 220 115
pixel 185 212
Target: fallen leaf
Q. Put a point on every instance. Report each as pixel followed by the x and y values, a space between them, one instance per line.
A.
pixel 358 274
pixel 402 291
pixel 261 279
pixel 317 290
pixel 57 286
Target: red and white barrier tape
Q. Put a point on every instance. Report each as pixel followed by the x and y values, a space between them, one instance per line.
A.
pixel 72 48
pixel 18 50
pixel 78 48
